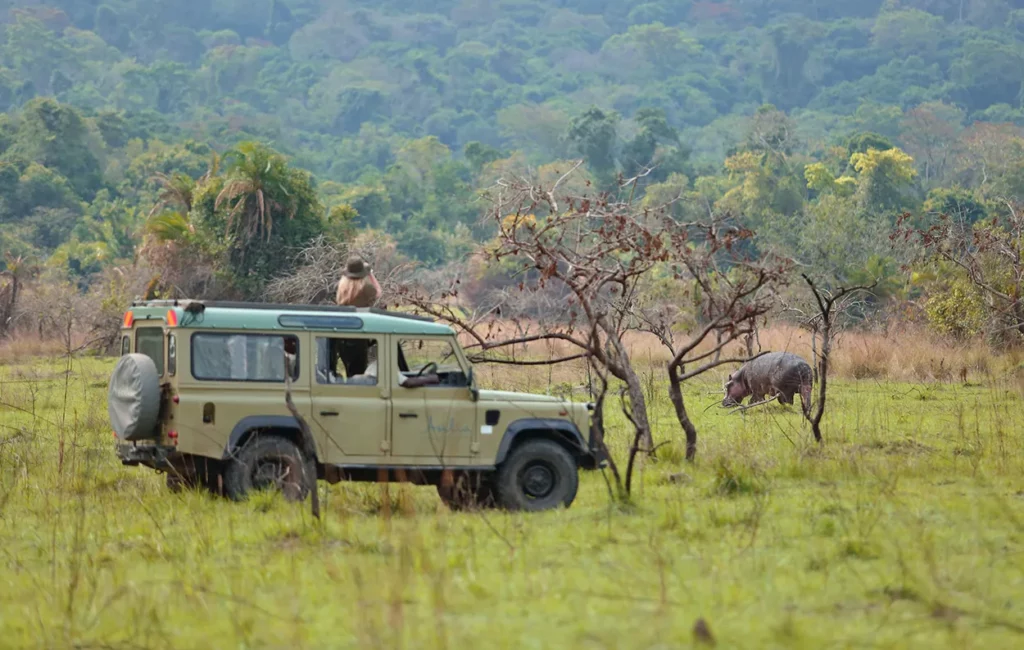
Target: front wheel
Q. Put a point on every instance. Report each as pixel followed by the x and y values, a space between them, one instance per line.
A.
pixel 270 463
pixel 537 475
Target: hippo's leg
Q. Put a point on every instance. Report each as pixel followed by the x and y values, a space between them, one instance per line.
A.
pixel 786 396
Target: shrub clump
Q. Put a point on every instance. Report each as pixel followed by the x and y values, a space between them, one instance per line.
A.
pixel 958 312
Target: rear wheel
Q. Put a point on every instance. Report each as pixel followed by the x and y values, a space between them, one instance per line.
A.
pixel 537 475
pixel 270 463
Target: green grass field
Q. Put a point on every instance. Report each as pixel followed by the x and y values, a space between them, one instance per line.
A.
pixel 906 529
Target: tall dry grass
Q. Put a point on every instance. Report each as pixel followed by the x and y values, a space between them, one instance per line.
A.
pixel 897 353
pixel 22 348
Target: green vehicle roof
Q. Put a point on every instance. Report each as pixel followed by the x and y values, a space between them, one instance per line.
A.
pixel 259 316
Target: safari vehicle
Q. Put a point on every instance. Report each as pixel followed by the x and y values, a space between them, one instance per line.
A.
pixel 199 393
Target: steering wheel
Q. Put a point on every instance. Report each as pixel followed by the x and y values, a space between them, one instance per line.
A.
pixel 430 366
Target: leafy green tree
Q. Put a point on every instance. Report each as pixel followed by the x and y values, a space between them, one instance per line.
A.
pixel 862 142
pixel 593 134
pixel 885 179
pixel 479 154
pixel 34 50
pixel 39 186
pixel 48 228
pixel 263 207
pixel 56 136
pixel 838 239
pixel 956 202
pixel 664 49
pixel 653 132
pixel 790 44
pixel 908 31
pixel 990 72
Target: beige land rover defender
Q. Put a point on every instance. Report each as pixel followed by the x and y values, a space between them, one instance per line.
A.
pixel 199 393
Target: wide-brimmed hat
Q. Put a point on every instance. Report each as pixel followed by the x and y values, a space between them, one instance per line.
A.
pixel 356 268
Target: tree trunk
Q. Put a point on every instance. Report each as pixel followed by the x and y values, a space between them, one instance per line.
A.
pixel 814 355
pixel 675 393
pixel 619 365
pixel 8 304
pixel 308 445
pixel 599 440
pixel 822 368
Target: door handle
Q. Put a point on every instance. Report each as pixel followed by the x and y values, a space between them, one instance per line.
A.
pixel 408 415
pixel 326 413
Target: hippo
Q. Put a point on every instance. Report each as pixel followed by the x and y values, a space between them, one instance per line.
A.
pixel 776 374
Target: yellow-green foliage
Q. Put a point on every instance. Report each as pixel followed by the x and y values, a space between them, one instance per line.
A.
pixel 820 179
pixel 958 311
pixel 903 531
pixel 892 162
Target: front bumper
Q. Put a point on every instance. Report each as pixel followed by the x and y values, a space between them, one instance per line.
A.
pixel 155 456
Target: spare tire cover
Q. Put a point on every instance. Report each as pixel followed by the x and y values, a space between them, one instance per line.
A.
pixel 133 400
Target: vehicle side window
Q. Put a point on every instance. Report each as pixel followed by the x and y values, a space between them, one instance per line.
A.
pixel 433 356
pixel 346 361
pixel 150 342
pixel 240 357
pixel 126 345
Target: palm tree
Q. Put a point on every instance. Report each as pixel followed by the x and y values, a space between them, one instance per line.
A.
pixel 170 226
pixel 255 191
pixel 176 189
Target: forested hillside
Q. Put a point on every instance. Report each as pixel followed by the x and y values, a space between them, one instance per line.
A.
pixel 816 121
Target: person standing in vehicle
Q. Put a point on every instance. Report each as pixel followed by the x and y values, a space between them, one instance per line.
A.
pixel 358 286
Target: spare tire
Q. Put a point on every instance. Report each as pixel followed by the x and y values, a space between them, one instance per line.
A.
pixel 133 401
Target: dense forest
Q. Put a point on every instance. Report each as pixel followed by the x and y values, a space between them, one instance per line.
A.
pixel 132 124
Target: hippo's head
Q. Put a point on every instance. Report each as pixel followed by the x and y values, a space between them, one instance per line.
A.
pixel 736 389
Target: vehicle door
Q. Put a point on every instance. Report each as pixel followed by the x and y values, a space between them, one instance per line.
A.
pixel 350 398
pixel 436 421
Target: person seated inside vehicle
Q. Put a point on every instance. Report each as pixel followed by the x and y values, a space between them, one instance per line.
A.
pixel 346 361
pixel 369 376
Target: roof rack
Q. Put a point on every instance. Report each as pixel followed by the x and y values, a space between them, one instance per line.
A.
pixel 338 309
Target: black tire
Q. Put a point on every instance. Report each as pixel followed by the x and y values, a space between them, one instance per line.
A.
pixel 469 491
pixel 537 475
pixel 269 462
pixel 133 398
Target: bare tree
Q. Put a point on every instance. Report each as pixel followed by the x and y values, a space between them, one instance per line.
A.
pixel 734 287
pixel 10 288
pixel 580 260
pixel 824 326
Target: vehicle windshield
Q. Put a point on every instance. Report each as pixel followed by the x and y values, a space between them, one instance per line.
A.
pixel 415 354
